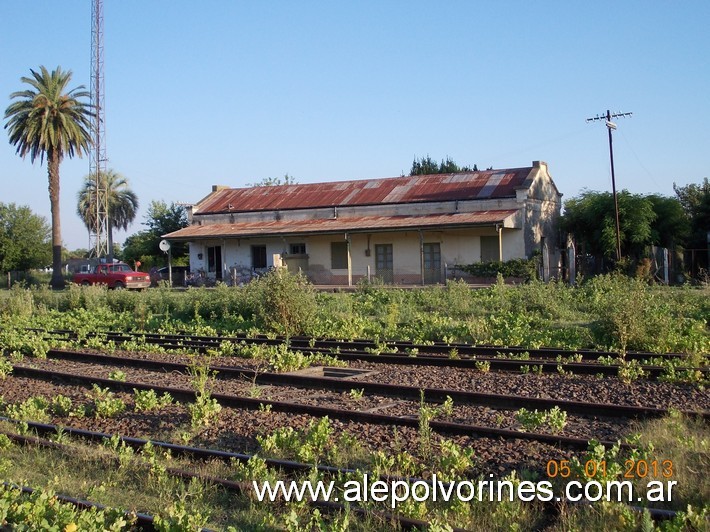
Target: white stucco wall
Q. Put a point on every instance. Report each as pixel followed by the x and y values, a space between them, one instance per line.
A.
pixel 461 246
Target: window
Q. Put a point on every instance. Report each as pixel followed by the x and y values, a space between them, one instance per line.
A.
pixel 489 249
pixel 339 255
pixel 297 249
pixel 258 257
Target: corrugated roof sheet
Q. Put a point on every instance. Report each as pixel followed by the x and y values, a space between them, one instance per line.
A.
pixel 339 225
pixel 407 189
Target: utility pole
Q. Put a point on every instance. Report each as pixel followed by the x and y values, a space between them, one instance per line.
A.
pixel 610 126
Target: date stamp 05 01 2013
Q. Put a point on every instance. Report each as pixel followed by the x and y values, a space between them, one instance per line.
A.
pixel 633 469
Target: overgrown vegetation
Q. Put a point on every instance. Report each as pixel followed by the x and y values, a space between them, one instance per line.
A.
pixel 524 269
pixel 610 312
pixel 607 312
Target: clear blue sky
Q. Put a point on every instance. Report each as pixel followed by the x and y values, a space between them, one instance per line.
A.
pixel 230 92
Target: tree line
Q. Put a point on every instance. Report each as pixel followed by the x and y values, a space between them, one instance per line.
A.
pixel 644 220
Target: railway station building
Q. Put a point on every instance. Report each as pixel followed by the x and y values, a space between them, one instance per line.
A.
pixel 402 230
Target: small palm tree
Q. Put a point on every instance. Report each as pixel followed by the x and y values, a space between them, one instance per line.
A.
pixel 47 120
pixel 122 203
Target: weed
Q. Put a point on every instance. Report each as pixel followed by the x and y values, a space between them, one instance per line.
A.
pixel 105 403
pixel 61 406
pixel 310 445
pixel 563 372
pixel 556 419
pixel 453 460
pixel 447 407
pixel 178 517
pixel 357 395
pixel 205 409
pixel 5 368
pixel 426 414
pixel 630 371
pixel 148 400
pixel 530 420
pixel 31 409
pixel 41 510
pixel 483 366
pixel 117 375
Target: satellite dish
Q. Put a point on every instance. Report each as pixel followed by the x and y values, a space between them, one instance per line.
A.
pixel 164 245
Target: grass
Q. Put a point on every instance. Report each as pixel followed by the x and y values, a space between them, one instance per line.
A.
pixel 607 312
pixel 686 443
pixel 95 473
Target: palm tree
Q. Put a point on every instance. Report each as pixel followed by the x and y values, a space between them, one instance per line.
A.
pixel 122 203
pixel 47 120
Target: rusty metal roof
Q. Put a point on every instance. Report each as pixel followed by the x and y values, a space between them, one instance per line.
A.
pixel 406 189
pixel 340 225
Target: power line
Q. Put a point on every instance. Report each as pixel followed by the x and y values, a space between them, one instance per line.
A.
pixel 611 126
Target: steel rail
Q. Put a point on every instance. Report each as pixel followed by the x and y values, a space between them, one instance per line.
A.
pixel 406 523
pixel 390 390
pixel 357 345
pixel 495 363
pixel 233 401
pixel 144 520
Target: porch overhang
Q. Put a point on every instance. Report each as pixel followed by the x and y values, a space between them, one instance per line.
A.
pixel 362 224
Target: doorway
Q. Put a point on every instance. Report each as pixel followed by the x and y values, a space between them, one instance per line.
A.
pixel 432 263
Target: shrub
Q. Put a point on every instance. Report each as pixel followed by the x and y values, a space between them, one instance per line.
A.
pixel 523 268
pixel 284 302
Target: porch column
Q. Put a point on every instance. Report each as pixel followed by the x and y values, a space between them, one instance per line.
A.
pixel 350 261
pixel 499 228
pixel 421 255
pixel 225 271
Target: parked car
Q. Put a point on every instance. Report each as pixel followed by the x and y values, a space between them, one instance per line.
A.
pixel 117 275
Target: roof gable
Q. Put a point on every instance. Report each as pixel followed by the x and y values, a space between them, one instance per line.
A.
pixel 406 189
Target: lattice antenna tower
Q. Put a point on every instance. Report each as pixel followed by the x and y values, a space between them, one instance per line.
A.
pixel 98 236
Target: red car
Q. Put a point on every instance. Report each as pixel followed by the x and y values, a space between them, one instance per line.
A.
pixel 117 275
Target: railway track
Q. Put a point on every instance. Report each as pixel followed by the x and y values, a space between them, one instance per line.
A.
pixel 337 384
pixel 234 401
pixel 142 520
pixel 499 358
pixel 146 521
pixel 334 383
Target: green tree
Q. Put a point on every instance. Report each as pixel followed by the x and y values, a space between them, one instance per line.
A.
pixel 695 199
pixel 274 181
pixel 49 120
pixel 161 219
pixel 122 203
pixel 426 165
pixel 24 239
pixel 590 218
pixel 671 227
